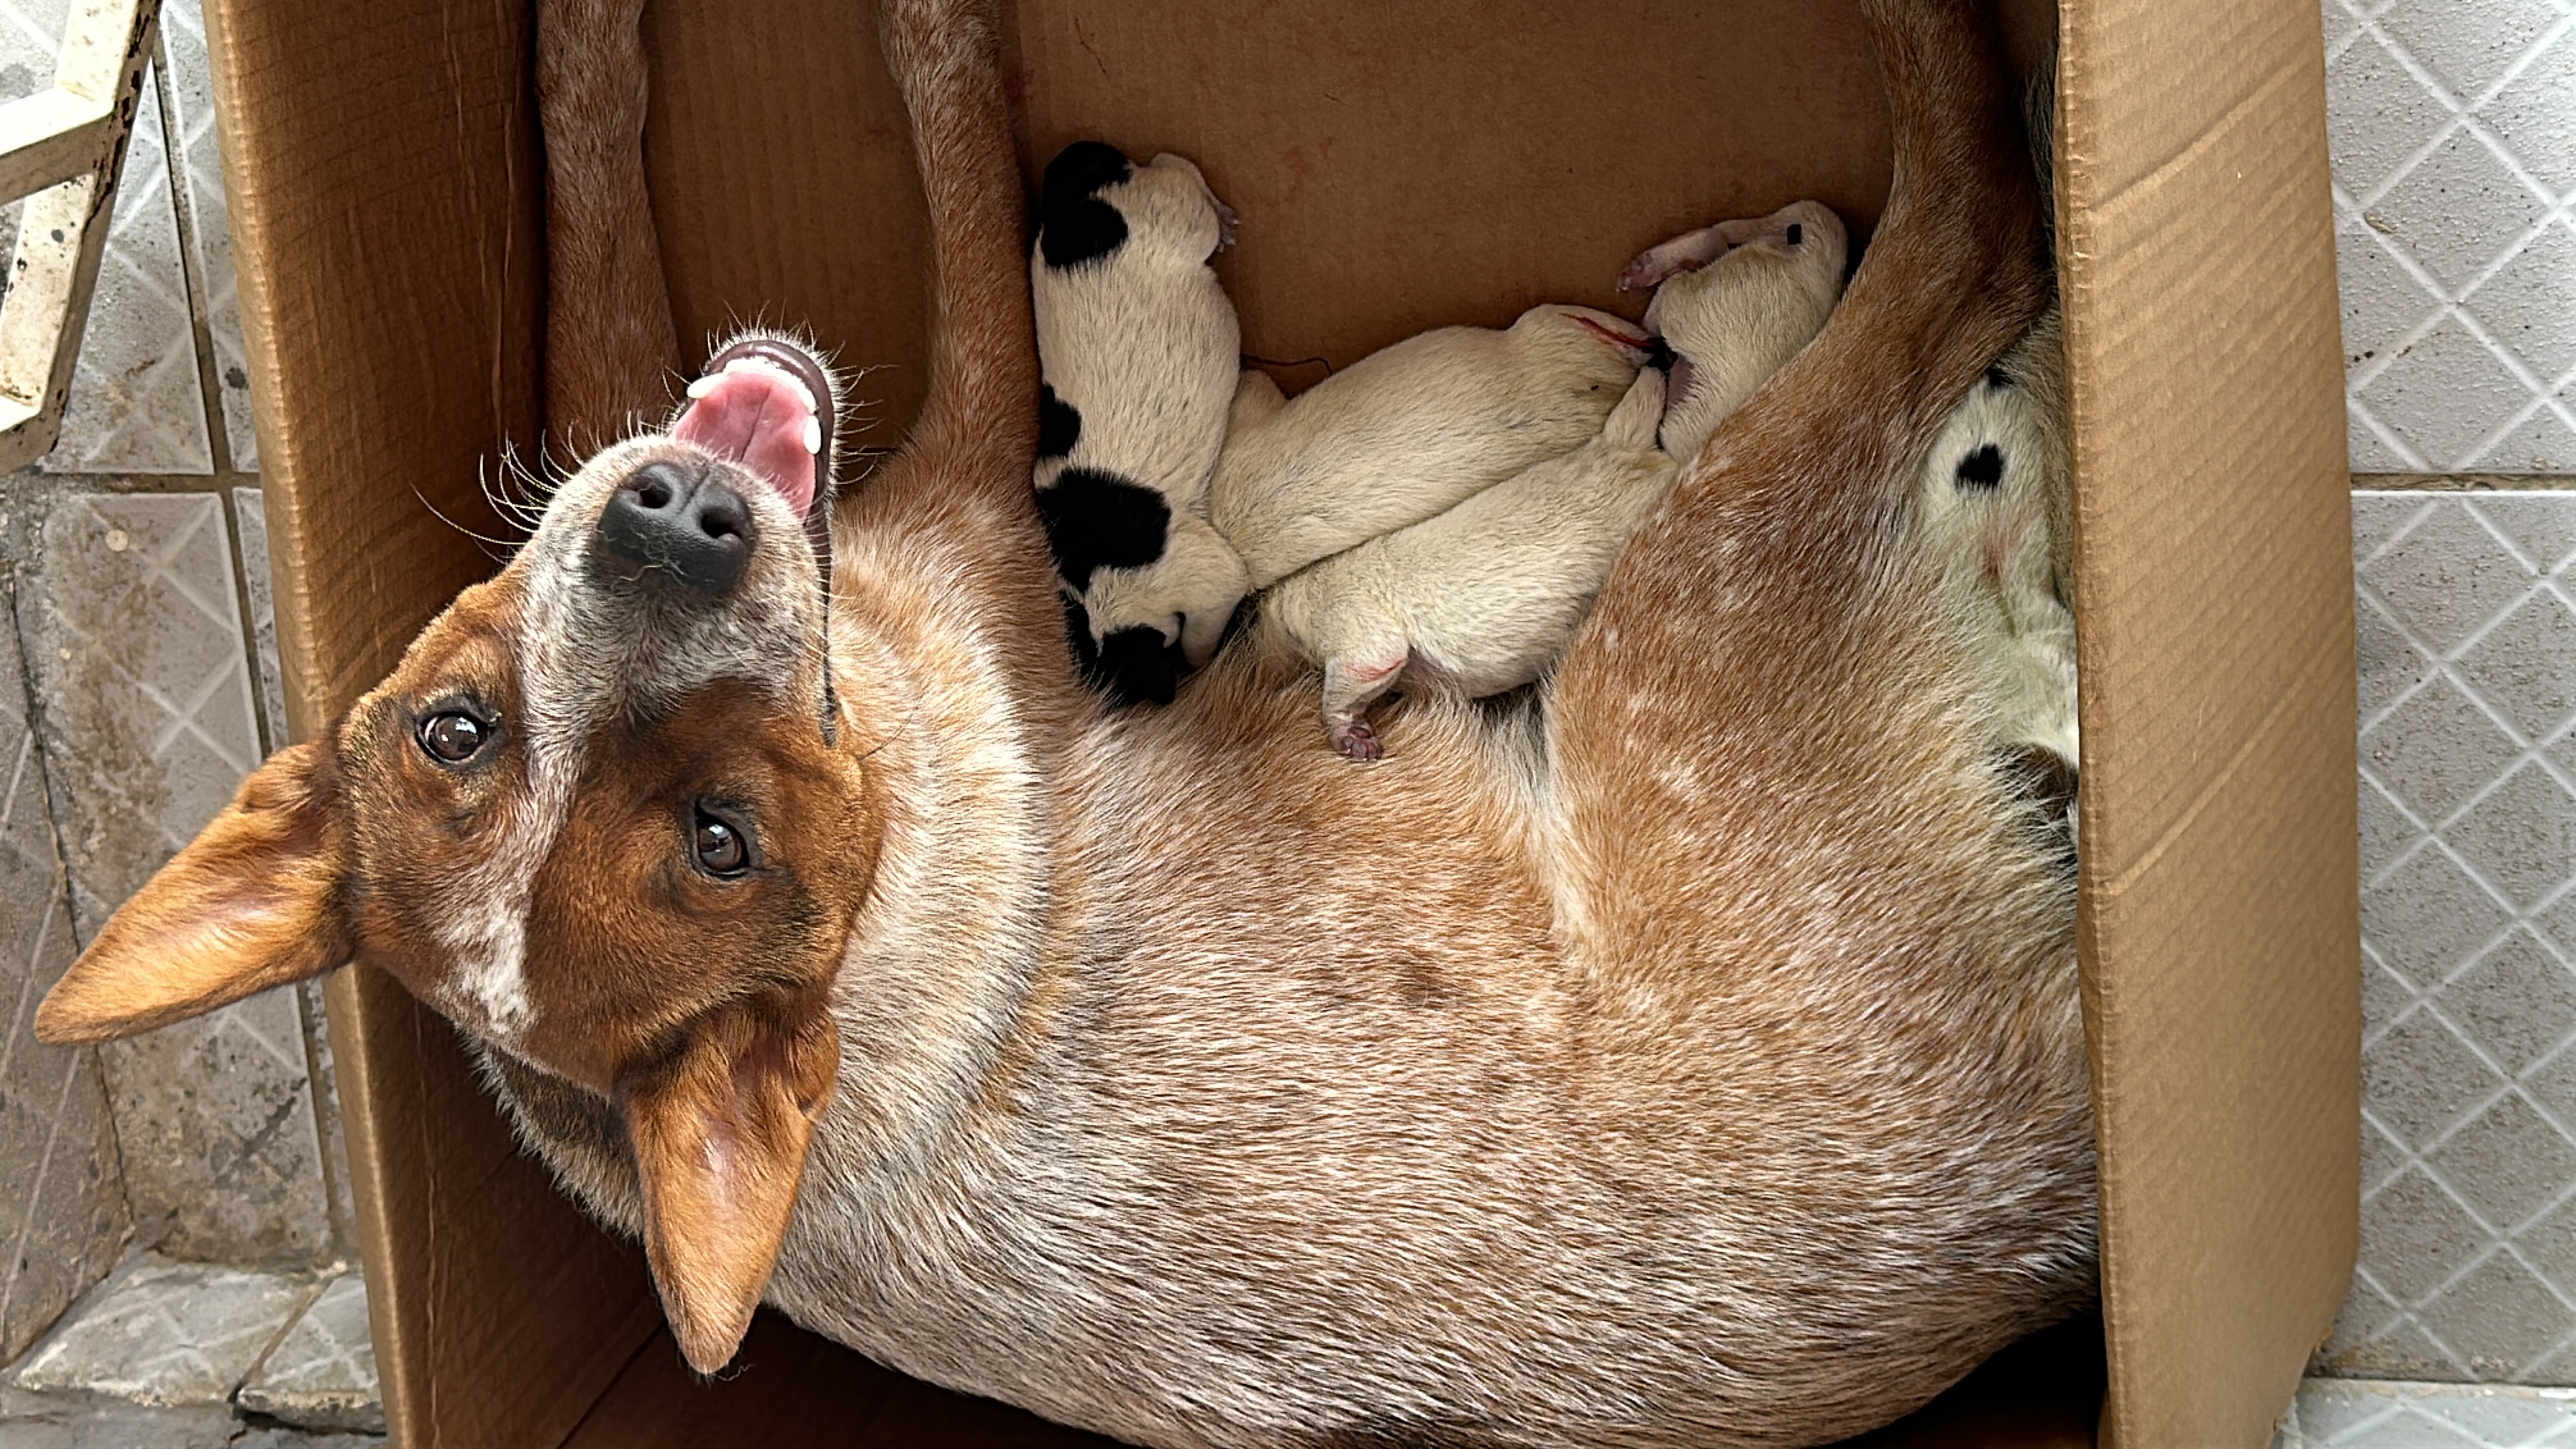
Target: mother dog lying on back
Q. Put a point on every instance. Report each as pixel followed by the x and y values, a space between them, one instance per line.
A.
pixel 1689 1057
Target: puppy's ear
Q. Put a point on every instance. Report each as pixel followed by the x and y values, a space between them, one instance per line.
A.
pixel 719 1131
pixel 252 902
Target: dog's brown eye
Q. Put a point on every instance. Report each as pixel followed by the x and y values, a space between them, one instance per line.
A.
pixel 720 846
pixel 453 736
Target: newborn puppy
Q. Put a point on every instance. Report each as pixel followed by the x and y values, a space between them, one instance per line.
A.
pixel 1138 350
pixel 1731 326
pixel 1994 500
pixel 1410 429
pixel 1485 597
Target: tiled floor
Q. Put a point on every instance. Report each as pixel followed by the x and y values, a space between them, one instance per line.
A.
pixel 181 1354
pixel 2372 1414
pixel 2453 130
pixel 2468 806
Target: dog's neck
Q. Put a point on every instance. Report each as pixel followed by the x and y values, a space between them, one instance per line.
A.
pixel 941 951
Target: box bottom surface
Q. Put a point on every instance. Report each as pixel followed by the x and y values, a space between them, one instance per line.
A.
pixel 789 1386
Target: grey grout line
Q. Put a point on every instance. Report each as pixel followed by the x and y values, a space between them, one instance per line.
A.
pixel 2464 481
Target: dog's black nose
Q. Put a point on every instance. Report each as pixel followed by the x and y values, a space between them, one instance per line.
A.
pixel 686 522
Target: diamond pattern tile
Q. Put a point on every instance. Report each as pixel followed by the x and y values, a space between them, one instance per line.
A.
pixel 62 1219
pixel 166 1333
pixel 135 406
pixel 2467 651
pixel 139 657
pixel 2452 125
pixel 191 97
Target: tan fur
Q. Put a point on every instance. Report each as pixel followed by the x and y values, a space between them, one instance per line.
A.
pixel 1687 1054
pixel 611 347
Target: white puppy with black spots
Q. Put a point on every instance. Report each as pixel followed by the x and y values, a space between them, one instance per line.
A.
pixel 1485 596
pixel 1995 499
pixel 1411 429
pixel 1139 350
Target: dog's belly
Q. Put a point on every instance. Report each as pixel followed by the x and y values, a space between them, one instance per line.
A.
pixel 1325 1106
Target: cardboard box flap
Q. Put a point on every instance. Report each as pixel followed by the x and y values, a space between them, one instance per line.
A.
pixel 2214 617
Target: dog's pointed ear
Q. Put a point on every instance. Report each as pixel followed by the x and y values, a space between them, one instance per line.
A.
pixel 719 1131
pixel 253 902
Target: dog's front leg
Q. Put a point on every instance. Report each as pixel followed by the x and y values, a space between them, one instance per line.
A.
pixel 611 349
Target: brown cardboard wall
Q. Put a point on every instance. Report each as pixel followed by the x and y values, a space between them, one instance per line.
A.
pixel 2214 608
pixel 383 196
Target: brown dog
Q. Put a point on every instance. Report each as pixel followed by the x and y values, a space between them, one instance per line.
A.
pixel 1690 1055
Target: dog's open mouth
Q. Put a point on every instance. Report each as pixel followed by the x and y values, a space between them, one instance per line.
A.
pixel 761 404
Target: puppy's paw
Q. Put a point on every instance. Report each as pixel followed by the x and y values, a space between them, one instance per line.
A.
pixel 1355 741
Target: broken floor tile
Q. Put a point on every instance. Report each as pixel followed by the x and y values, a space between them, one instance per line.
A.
pixel 166 1334
pixel 322 1374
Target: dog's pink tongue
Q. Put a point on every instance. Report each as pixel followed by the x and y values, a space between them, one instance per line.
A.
pixel 759 417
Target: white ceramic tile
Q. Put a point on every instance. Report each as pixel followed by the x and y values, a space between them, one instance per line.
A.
pixel 2379 1414
pixel 2467 653
pixel 62 1217
pixel 2452 125
pixel 192 101
pixel 322 1374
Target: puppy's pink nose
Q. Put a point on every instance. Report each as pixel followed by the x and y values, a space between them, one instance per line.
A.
pixel 686 523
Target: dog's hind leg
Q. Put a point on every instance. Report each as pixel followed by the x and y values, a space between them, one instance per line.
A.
pixel 1747 701
pixel 611 350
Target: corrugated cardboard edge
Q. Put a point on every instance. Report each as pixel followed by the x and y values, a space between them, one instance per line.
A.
pixel 2214 607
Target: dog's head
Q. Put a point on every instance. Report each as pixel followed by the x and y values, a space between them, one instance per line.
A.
pixel 602 815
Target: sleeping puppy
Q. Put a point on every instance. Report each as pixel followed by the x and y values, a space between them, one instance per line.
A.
pixel 1138 348
pixel 1994 500
pixel 1485 597
pixel 1411 429
pixel 1482 598
pixel 1729 327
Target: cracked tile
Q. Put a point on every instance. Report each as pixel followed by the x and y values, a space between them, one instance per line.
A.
pixel 165 1333
pixel 137 639
pixel 322 1374
pixel 62 1219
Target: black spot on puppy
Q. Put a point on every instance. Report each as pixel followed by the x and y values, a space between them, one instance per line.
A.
pixel 1096 519
pixel 1983 468
pixel 1997 378
pixel 1074 224
pixel 1059 426
pixel 1139 666
pixel 1797 232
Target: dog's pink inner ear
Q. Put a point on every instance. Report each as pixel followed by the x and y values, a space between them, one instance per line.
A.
pixel 252 902
pixel 719 1132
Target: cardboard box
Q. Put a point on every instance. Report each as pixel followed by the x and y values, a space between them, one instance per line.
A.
pixel 1396 166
